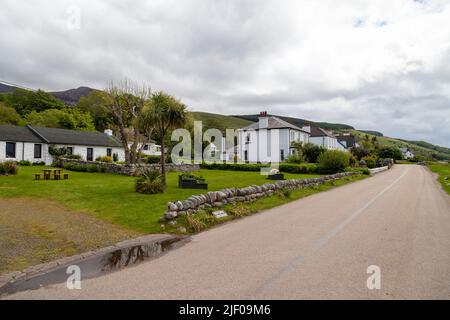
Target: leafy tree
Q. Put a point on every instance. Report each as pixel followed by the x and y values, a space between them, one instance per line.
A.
pixel 312 152
pixel 9 115
pixel 25 101
pixel 360 152
pixel 96 104
pixel 164 113
pixel 385 152
pixel 66 119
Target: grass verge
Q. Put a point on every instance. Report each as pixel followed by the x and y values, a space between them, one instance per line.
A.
pixel 443 170
pixel 204 219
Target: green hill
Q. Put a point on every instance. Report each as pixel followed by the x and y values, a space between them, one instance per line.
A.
pixel 219 121
pixel 300 122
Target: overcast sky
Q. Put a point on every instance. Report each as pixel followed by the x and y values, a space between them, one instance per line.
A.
pixel 375 64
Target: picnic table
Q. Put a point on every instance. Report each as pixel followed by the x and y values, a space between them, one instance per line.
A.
pixel 48 174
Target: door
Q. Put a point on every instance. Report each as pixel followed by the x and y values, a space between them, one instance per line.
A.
pixel 90 154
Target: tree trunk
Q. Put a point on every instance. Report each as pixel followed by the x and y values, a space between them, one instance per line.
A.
pixel 163 165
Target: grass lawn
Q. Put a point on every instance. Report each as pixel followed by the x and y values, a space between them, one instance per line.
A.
pixel 443 170
pixel 112 198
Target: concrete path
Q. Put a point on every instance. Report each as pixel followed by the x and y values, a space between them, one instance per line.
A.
pixel 317 247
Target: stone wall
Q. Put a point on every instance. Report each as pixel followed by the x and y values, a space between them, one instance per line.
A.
pixel 132 170
pixel 232 195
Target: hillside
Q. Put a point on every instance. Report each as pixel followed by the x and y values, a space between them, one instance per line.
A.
pixel 421 148
pixel 70 97
pixel 300 122
pixel 219 121
pixel 4 88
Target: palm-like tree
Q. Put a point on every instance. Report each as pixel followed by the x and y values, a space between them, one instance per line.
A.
pixel 164 113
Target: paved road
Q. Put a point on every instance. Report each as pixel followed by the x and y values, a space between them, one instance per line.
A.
pixel 317 247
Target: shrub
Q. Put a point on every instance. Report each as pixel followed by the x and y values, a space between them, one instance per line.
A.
pixel 371 162
pixel 312 152
pixel 104 159
pixel 73 156
pixel 75 167
pixel 115 157
pixel 284 193
pixel 390 152
pixel 194 223
pixel 295 158
pixel 8 167
pixel 149 182
pixel 92 168
pixel 332 161
pixel 39 163
pixel 152 159
pixel 24 163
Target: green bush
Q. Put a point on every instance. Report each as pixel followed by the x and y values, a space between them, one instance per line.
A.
pixel 9 167
pixel 104 159
pixel 75 167
pixel 115 157
pixel 149 182
pixel 92 168
pixel 39 163
pixel 295 158
pixel 312 152
pixel 295 168
pixel 284 167
pixel 73 156
pixel 152 159
pixel 371 161
pixel 24 163
pixel 332 161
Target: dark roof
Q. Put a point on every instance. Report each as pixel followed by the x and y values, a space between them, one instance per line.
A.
pixel 348 138
pixel 274 123
pixel 319 132
pixel 17 134
pixel 57 136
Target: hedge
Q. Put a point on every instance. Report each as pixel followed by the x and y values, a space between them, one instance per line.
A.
pixel 284 167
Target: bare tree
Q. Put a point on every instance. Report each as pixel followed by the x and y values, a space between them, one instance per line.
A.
pixel 127 102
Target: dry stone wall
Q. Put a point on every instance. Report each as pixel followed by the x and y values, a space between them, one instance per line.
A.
pixel 232 195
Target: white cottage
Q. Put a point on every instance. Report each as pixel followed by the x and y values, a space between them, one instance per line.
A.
pixel 325 139
pixel 32 143
pixel 269 140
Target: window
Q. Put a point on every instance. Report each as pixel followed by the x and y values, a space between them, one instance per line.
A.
pixel 146 147
pixel 90 154
pixel 38 151
pixel 109 152
pixel 69 150
pixel 247 138
pixel 10 149
pixel 282 155
pixel 245 155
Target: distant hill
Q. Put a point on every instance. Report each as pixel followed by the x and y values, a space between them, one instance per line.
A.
pixel 219 121
pixel 72 96
pixel 374 133
pixel 300 122
pixel 4 88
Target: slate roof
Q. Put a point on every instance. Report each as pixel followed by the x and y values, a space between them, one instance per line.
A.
pixel 349 140
pixel 56 136
pixel 319 132
pixel 17 134
pixel 274 123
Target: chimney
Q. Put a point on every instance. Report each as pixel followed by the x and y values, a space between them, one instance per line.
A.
pixel 109 132
pixel 307 127
pixel 263 120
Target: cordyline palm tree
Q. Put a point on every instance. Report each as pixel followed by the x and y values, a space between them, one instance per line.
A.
pixel 164 113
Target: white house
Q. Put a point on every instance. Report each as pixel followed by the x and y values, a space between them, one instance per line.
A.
pixel 32 143
pixel 325 139
pixel 407 154
pixel 269 140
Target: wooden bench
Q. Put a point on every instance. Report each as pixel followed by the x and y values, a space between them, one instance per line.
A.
pixel 66 176
pixel 37 176
pixel 57 177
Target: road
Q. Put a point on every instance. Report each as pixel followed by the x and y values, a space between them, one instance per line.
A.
pixel 315 248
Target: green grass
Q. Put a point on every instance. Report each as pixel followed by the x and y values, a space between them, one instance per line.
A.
pixel 218 121
pixel 112 197
pixel 206 220
pixel 443 170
